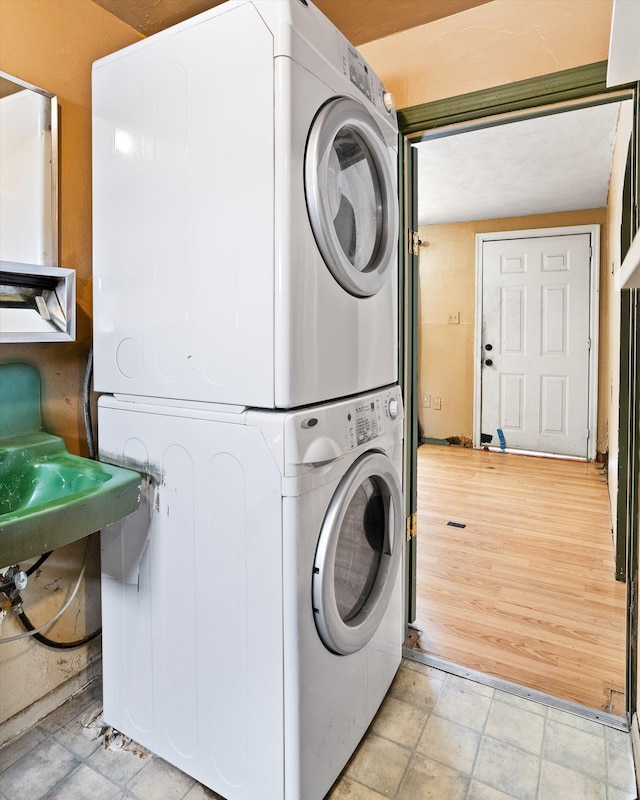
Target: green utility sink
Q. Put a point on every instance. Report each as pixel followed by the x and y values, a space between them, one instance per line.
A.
pixel 49 497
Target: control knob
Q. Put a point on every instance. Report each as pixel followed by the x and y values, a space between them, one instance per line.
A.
pixel 393 408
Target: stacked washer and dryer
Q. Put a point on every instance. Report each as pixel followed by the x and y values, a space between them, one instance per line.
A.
pixel 245 339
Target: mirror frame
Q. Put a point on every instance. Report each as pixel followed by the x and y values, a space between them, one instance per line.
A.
pixel 54 256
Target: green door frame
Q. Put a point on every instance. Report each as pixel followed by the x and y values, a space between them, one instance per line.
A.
pixel 628 509
pixel 626 237
pixel 533 97
pixel 408 361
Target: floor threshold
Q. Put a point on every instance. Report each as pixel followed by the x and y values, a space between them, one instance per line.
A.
pixel 610 720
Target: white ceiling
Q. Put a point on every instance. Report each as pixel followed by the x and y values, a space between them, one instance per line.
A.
pixel 560 162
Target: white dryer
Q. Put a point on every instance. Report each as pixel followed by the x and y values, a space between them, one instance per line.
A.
pixel 245 212
pixel 252 607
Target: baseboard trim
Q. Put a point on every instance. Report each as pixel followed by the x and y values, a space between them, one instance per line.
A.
pixel 24 720
pixel 610 720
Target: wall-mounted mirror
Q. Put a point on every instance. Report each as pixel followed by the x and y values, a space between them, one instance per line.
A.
pixel 28 173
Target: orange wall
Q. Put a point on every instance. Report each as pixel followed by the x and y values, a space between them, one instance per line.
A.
pixel 52 44
pixel 490 45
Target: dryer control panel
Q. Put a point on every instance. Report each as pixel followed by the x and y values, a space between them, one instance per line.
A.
pixel 360 74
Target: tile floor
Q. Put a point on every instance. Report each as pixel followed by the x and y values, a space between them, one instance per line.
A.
pixel 436 737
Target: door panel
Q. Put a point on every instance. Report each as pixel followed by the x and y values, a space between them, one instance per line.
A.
pixel 513 320
pixel 512 392
pixel 536 342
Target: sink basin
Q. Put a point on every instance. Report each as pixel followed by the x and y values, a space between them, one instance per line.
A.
pixel 49 497
pixel 34 484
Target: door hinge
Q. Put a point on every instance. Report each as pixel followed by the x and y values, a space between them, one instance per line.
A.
pixel 589 343
pixel 414 243
pixel 412 526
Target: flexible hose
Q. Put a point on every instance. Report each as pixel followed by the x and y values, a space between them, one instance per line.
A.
pixel 36 632
pixel 54 618
pixel 39 637
pixel 39 563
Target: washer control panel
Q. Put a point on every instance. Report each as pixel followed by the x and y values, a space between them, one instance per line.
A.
pixel 321 434
pixel 368 417
pixel 364 422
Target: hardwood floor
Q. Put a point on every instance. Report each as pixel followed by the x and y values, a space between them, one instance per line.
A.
pixel 526 590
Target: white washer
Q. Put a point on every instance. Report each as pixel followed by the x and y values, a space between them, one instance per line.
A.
pixel 252 607
pixel 245 212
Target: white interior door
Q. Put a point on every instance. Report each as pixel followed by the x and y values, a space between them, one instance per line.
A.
pixel 536 343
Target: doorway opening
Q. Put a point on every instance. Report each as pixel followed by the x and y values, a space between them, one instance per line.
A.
pixel 460 373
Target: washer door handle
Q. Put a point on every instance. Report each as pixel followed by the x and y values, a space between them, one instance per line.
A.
pixel 322 450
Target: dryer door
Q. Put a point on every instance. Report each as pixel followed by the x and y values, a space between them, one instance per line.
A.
pixel 350 186
pixel 358 553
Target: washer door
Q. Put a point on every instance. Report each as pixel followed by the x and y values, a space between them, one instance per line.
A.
pixel 350 187
pixel 358 553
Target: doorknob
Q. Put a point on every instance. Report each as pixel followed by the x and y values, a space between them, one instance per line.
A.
pixel 488 347
pixel 488 362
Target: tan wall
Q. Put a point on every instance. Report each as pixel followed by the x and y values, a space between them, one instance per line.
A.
pixel 490 45
pixel 446 351
pixel 52 44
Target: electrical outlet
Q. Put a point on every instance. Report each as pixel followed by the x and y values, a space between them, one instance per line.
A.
pixel 454 318
pixel 437 403
pixel 426 402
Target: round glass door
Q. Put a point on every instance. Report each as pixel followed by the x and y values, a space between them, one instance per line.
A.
pixel 350 187
pixel 358 553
